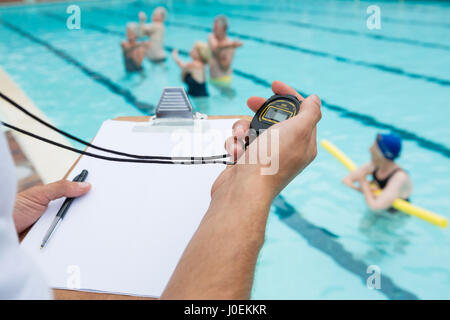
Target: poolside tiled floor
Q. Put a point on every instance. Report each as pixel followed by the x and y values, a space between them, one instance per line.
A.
pixel 25 172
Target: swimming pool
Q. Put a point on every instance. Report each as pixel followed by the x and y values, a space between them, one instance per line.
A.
pixel 320 236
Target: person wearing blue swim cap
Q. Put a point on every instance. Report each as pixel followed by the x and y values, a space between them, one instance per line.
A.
pixel 386 174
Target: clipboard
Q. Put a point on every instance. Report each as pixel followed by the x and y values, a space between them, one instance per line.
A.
pixel 63 294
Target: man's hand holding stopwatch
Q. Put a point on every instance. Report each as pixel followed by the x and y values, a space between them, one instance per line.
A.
pixel 296 148
pixel 219 261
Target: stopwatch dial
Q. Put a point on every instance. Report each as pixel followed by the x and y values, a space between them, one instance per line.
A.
pixel 276 114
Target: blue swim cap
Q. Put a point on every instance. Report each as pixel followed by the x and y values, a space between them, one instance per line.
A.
pixel 390 145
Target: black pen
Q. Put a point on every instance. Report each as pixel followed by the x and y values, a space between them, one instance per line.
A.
pixel 63 210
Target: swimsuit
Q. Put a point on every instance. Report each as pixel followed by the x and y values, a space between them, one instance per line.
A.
pixel 130 64
pixel 381 183
pixel 223 80
pixel 157 61
pixel 195 88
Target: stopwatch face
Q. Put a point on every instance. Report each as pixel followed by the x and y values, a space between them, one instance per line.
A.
pixel 276 114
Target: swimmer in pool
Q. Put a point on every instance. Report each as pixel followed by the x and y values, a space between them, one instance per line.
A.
pixel 155 31
pixel 387 175
pixel 193 73
pixel 133 51
pixel 222 52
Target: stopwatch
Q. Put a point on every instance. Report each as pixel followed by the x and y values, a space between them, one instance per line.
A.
pixel 276 109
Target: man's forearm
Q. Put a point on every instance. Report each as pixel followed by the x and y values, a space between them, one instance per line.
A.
pixel 220 259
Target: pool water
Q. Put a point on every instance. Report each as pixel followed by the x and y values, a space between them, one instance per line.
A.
pixel 321 238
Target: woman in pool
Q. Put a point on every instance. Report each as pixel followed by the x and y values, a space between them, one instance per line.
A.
pixel 387 175
pixel 133 51
pixel 193 73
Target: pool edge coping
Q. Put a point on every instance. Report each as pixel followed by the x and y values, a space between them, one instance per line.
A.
pixel 50 163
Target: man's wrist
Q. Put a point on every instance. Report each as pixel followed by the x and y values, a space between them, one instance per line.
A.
pixel 244 204
pixel 246 189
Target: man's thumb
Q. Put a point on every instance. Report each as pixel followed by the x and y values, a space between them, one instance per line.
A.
pixel 64 188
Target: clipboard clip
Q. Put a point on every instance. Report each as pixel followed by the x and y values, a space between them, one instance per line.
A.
pixel 174 108
pixel 174 103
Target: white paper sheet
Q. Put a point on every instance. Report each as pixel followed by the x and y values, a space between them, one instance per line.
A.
pixel 128 233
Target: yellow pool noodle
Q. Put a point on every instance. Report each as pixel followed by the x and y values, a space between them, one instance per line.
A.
pixel 398 204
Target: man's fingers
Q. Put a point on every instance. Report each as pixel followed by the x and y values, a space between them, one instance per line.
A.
pixel 310 111
pixel 281 88
pixel 240 128
pixel 235 147
pixel 64 188
pixel 278 87
pixel 255 103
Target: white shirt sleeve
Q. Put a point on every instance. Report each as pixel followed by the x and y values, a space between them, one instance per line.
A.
pixel 19 278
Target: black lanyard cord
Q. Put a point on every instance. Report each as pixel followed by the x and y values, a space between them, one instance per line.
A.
pixel 187 160
pixel 70 136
